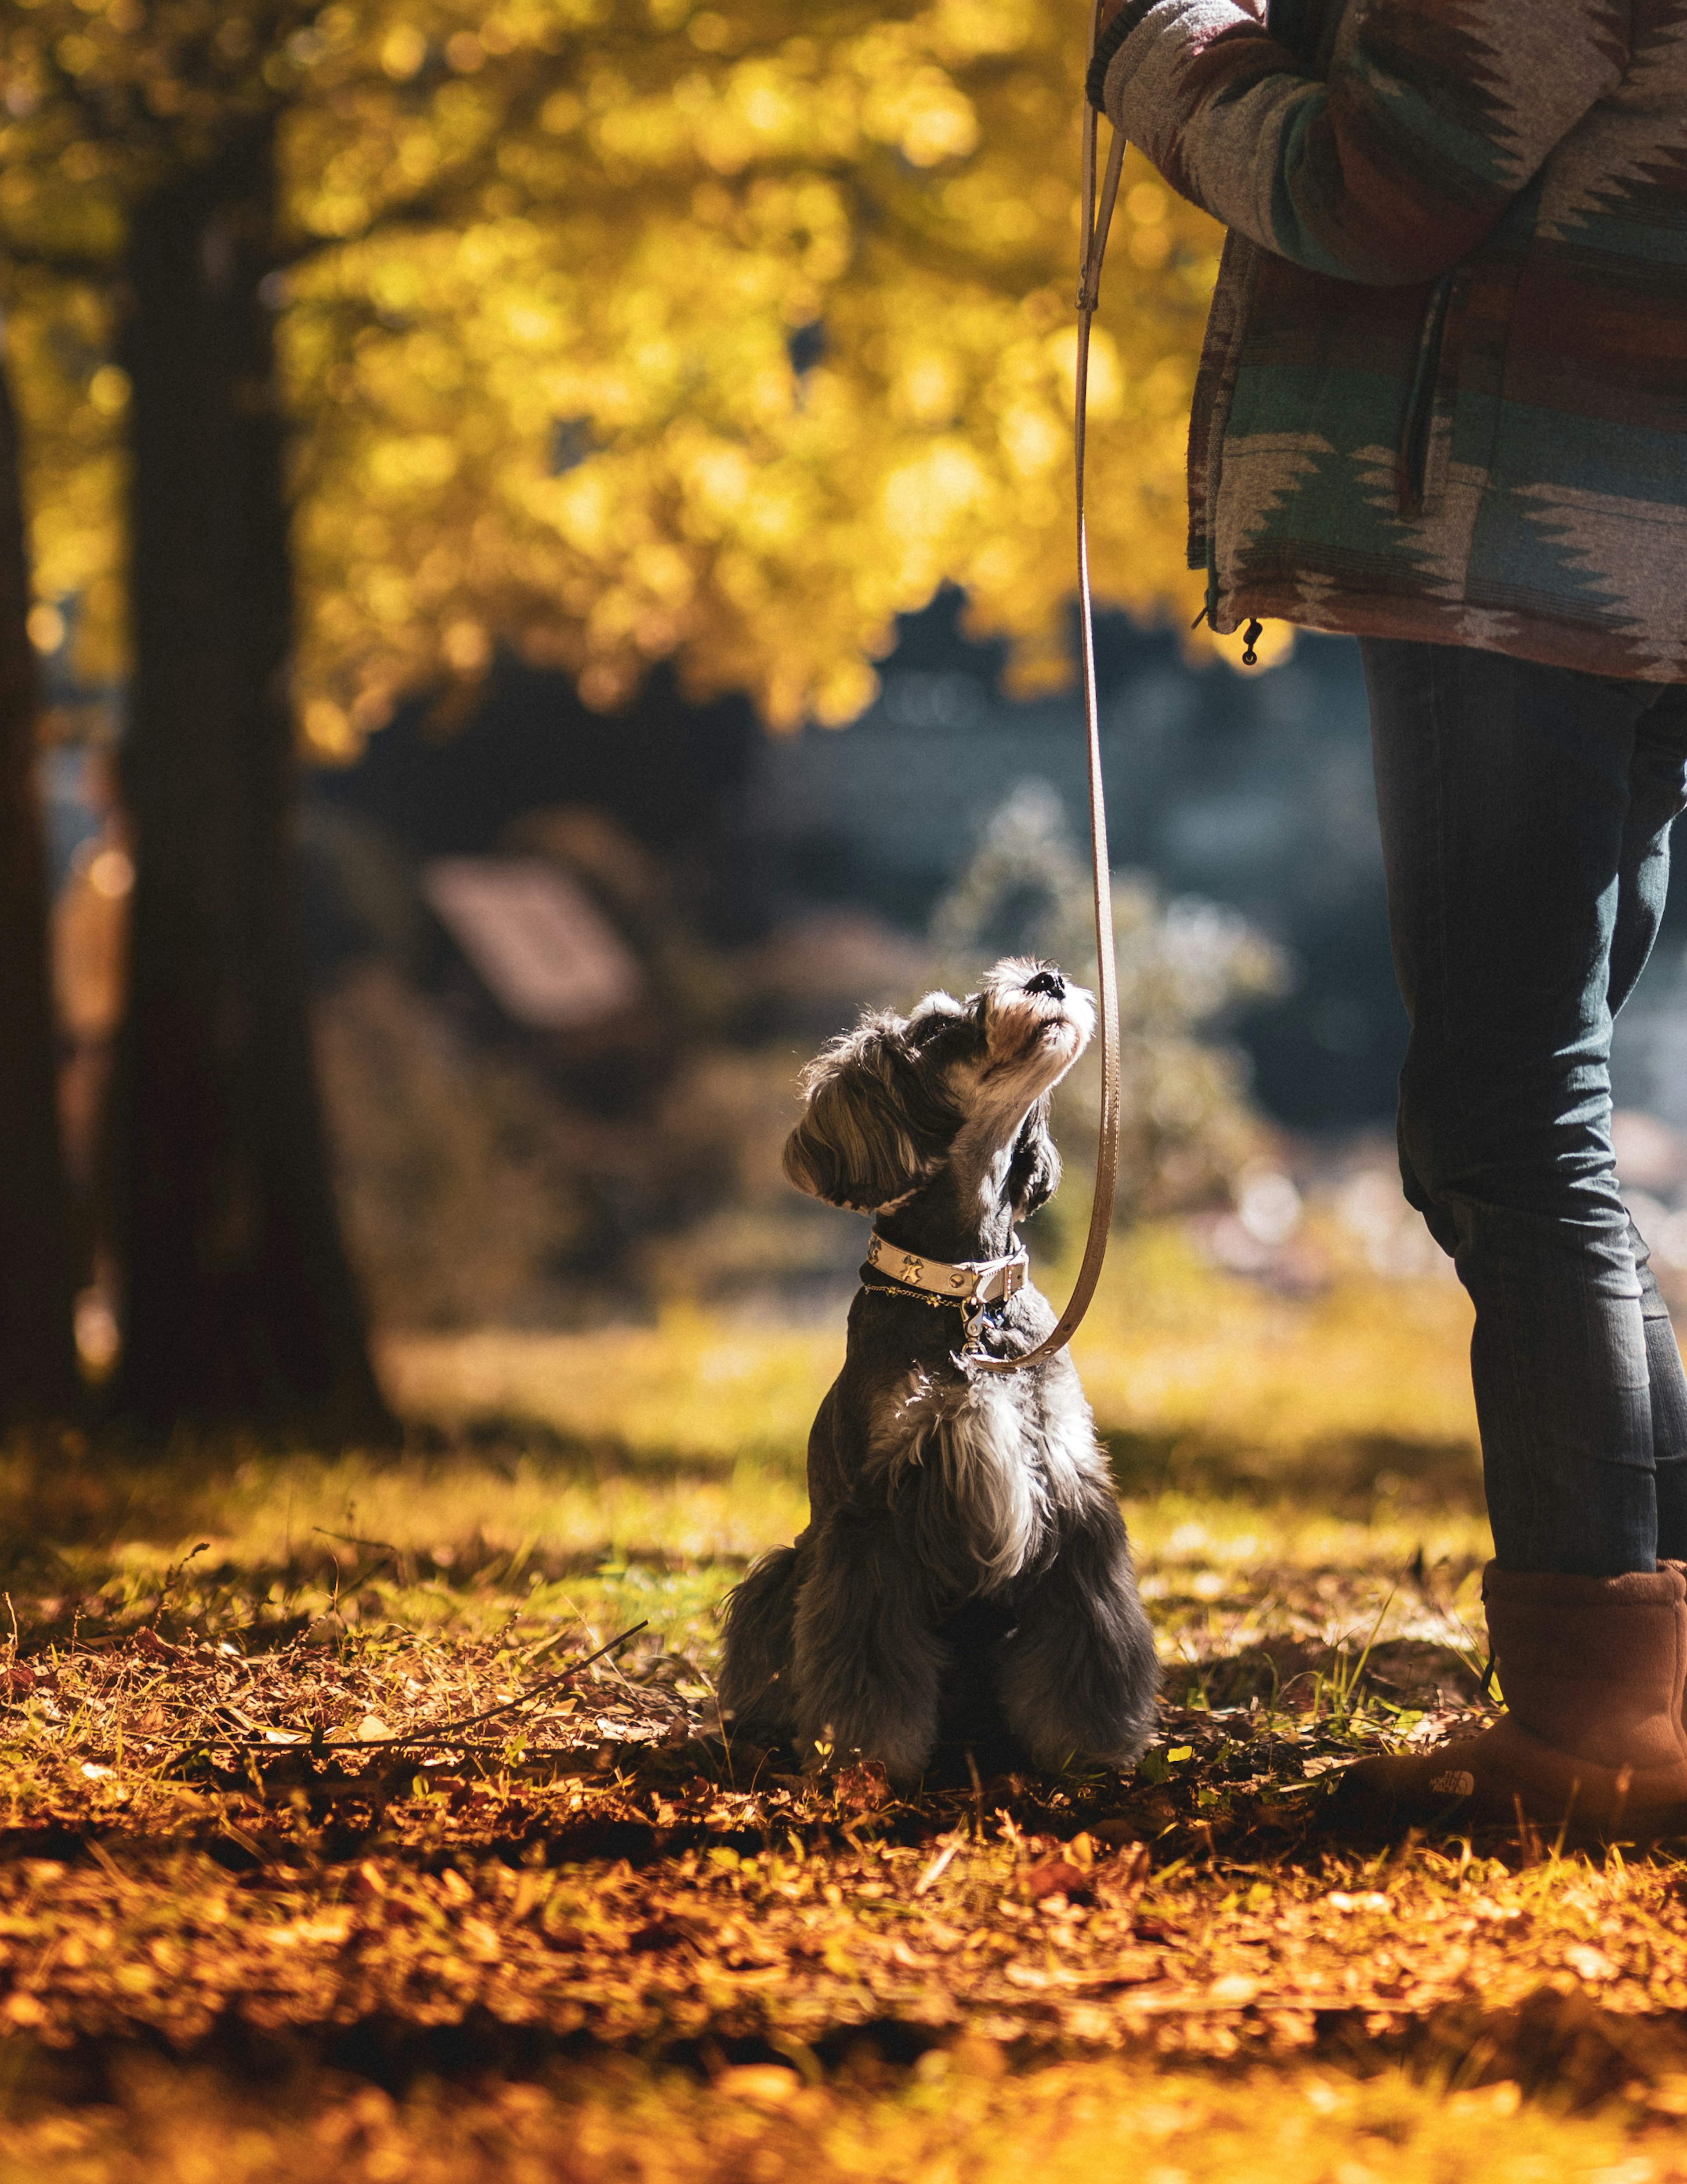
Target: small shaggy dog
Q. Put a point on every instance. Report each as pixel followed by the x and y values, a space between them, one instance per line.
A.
pixel 964 1576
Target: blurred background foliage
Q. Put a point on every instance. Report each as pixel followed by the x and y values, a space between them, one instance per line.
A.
pixel 1185 1121
pixel 670 416
pixel 574 359
pixel 619 333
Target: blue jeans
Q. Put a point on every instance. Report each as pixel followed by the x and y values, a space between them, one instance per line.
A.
pixel 1525 815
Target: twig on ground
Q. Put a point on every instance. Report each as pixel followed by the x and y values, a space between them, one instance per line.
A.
pixel 445 1732
pixel 939 1865
pixel 173 1576
pixel 352 1540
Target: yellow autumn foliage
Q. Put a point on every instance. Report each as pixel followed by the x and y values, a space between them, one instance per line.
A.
pixel 619 330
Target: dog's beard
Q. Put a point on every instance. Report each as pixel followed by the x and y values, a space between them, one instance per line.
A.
pixel 982 1510
pixel 1032 1039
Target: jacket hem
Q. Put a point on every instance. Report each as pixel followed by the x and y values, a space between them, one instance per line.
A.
pixel 1548 641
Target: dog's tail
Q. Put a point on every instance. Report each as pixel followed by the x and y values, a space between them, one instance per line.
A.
pixel 755 1667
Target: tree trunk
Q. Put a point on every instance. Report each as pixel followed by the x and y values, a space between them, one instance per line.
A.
pixel 239 1308
pixel 37 1357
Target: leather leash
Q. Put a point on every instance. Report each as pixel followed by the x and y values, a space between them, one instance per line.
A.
pixel 1098 218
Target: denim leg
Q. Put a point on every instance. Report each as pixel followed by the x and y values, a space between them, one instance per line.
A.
pixel 1658 794
pixel 1667 1387
pixel 1504 790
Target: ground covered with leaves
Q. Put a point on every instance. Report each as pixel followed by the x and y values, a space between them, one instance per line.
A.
pixel 326 1850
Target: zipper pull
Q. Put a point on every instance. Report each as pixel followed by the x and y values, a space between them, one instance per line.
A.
pixel 1250 637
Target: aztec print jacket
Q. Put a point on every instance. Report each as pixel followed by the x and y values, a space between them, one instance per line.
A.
pixel 1443 393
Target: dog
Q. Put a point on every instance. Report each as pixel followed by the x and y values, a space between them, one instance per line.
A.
pixel 965 1573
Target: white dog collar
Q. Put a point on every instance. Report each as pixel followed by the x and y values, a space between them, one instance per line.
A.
pixel 973 1281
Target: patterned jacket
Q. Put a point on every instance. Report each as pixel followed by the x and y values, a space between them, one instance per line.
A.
pixel 1443 393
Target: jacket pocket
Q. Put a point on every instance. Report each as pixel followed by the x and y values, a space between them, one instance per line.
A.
pixel 1427 434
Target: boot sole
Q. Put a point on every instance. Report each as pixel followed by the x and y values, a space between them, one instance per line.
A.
pixel 1507 1773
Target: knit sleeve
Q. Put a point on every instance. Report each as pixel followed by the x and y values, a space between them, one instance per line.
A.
pixel 1435 115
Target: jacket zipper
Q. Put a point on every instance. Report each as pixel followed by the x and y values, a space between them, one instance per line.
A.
pixel 1417 432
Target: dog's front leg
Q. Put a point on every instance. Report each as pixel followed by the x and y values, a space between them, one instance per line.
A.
pixel 1082 1673
pixel 867 1667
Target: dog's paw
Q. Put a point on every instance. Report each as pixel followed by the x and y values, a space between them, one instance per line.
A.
pixel 864 1786
pixel 852 1772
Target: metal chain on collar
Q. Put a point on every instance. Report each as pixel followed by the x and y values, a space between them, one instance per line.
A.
pixel 1097 219
pixel 971 1310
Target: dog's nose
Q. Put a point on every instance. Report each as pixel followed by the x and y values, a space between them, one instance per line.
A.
pixel 1048 982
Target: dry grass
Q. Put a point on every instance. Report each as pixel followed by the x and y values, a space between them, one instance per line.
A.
pixel 1172 1352
pixel 242 1937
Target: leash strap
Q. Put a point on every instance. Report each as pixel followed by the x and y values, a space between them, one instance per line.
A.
pixel 1097 219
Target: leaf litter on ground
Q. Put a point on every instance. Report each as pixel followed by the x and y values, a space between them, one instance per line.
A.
pixel 253 1913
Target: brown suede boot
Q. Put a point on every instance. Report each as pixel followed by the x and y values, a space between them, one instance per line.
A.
pixel 1593 1671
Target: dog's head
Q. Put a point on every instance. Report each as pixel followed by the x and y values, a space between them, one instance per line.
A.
pixel 892 1104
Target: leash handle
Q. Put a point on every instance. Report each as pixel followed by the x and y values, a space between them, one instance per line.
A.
pixel 1098 218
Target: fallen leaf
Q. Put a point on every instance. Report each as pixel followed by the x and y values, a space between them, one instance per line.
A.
pixel 1057 1876
pixel 759 2081
pixel 1589 1964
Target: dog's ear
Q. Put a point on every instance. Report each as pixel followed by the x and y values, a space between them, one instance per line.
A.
pixel 1033 1174
pixel 875 1126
